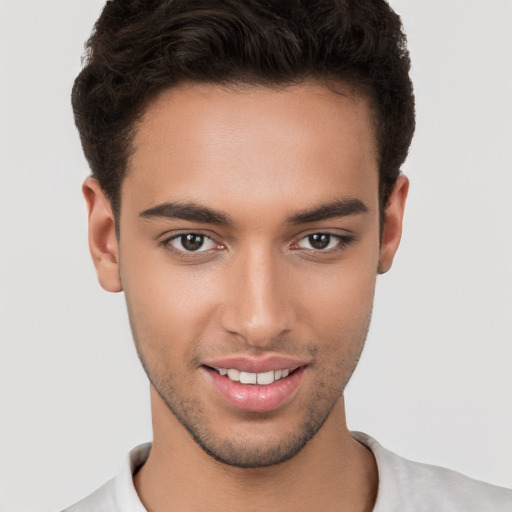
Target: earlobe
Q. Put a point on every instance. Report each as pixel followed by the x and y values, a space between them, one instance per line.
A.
pixel 392 225
pixel 102 236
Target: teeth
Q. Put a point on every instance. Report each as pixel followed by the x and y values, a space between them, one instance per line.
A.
pixel 263 379
pixel 233 374
pixel 247 378
pixel 266 378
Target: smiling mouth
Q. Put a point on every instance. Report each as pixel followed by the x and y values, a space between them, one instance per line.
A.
pixel 261 379
pixel 256 386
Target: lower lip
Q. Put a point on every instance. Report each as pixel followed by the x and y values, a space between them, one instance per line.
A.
pixel 255 398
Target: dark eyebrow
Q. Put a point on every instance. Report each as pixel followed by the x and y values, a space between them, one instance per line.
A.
pixel 187 211
pixel 340 208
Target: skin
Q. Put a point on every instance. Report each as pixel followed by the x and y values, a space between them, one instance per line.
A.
pixel 259 288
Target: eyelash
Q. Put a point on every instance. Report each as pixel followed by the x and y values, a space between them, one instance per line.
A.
pixel 343 241
pixel 167 244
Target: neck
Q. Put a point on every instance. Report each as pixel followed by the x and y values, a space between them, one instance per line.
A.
pixel 332 472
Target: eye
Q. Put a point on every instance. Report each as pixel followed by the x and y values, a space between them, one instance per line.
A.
pixel 323 241
pixel 191 242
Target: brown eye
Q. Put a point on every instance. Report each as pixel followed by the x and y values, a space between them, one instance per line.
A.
pixel 191 242
pixel 319 240
pixel 324 242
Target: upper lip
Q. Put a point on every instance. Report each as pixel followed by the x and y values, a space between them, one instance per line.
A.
pixel 256 365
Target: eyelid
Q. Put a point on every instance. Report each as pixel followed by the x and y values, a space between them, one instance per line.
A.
pixel 343 241
pixel 166 242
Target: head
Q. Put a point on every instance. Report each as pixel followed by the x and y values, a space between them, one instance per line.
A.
pixel 246 191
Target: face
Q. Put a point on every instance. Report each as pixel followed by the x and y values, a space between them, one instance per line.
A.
pixel 248 252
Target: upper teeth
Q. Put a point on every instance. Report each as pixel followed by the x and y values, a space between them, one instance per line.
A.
pixel 264 378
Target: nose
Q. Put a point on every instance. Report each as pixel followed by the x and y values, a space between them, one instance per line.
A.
pixel 259 298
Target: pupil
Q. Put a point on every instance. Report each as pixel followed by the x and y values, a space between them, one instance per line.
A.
pixel 319 240
pixel 192 242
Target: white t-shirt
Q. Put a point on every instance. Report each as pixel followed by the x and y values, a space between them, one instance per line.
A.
pixel 403 486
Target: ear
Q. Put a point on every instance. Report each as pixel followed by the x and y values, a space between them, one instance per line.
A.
pixel 392 225
pixel 102 236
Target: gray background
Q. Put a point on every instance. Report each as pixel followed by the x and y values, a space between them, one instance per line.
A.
pixel 434 383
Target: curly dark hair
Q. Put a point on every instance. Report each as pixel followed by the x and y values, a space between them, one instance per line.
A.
pixel 138 48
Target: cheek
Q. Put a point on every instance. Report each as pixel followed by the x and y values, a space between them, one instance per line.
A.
pixel 340 299
pixel 339 326
pixel 169 307
pixel 340 320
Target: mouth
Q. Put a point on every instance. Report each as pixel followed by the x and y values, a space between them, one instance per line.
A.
pixel 256 386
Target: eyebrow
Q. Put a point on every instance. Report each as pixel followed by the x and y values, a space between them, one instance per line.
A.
pixel 187 211
pixel 197 213
pixel 340 208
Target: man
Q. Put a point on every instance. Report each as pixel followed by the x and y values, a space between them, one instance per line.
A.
pixel 245 193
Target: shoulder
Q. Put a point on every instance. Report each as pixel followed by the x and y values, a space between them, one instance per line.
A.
pixel 412 486
pixel 101 500
pixel 118 494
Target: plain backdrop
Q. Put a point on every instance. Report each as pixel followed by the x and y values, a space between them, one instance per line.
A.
pixel 434 383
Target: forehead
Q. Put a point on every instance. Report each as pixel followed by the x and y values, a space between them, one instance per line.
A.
pixel 254 145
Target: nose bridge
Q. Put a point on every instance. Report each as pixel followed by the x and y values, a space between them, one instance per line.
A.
pixel 259 307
